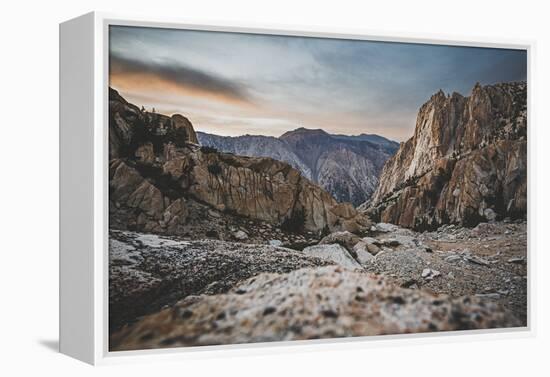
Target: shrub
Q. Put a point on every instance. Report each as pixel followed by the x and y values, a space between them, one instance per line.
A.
pixel 214 169
pixel 294 223
pixel 206 149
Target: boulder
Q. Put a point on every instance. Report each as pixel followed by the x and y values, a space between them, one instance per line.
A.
pixel 372 245
pixel 362 252
pixel 334 253
pixel 345 238
pixel 240 235
pixel 385 228
pixel 430 274
pixel 489 214
pixel 276 243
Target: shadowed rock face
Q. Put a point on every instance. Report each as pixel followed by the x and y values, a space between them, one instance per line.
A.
pixel 466 162
pixel 310 303
pixel 156 167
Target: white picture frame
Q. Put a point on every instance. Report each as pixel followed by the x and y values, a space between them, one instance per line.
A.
pixel 84 190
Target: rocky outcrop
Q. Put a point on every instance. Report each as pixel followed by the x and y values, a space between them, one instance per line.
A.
pixel 147 272
pixel 466 162
pixel 260 188
pixel 162 164
pixel 181 123
pixel 346 166
pixel 139 204
pixel 130 128
pixel 122 117
pixel 310 303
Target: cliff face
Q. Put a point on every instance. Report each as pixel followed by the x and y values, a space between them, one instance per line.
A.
pixel 346 166
pixel 157 168
pixel 466 162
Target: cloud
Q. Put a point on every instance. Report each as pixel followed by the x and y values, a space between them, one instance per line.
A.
pixel 237 83
pixel 137 75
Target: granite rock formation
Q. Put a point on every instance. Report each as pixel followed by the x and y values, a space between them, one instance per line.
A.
pixel 156 169
pixel 465 163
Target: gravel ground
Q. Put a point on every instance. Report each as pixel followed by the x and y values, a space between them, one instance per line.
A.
pixel 488 261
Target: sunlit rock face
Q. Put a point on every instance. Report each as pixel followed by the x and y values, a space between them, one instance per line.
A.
pixel 465 163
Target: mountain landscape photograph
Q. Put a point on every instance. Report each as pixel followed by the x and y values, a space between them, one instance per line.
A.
pixel 269 188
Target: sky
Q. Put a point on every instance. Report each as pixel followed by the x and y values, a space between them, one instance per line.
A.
pixel 234 84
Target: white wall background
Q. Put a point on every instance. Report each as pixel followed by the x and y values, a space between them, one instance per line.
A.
pixel 29 185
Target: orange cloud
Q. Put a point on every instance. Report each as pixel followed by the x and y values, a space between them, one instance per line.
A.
pixel 144 83
pixel 133 76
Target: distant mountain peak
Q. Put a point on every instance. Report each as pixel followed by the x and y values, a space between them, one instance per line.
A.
pixel 345 166
pixel 305 132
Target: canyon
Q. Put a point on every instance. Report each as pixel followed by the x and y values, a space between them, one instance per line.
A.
pixel 227 240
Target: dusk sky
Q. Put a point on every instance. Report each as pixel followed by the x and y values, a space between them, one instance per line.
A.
pixel 236 84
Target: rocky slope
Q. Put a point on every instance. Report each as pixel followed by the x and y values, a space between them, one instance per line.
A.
pixel 466 162
pixel 346 166
pixel 157 172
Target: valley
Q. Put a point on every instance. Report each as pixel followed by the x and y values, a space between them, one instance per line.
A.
pixel 347 167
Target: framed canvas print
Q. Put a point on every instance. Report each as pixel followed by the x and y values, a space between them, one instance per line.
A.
pixel 224 187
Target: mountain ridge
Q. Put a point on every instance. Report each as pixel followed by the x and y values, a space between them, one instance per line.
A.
pixel 346 166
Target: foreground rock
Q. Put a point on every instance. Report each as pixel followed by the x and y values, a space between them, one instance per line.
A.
pixel 311 303
pixel 147 272
pixel 466 162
